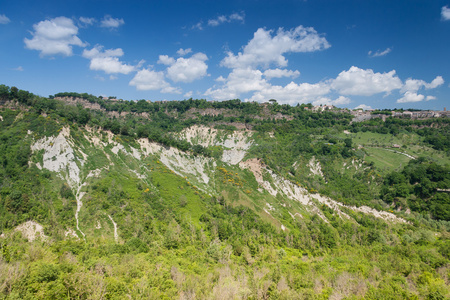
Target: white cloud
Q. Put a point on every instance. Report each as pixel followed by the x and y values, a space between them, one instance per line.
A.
pixel 279 73
pixel 237 16
pixel 220 79
pixel 140 63
pixel 166 60
pixel 85 22
pixel 238 81
pixel 97 51
pixel 110 65
pixel 183 52
pixel 445 13
pixel 413 85
pixel 341 100
pixel 411 97
pixel 151 80
pixel 19 68
pixel 216 22
pixel 187 69
pixel 198 26
pixel 265 49
pixel 4 19
pixel 171 90
pixel 241 81
pixel 380 53
pixel 227 19
pixel 107 60
pixel 292 93
pixel 435 83
pixel 54 36
pixel 360 82
pixel 110 22
pixel 188 94
pixel 364 107
pixel 113 77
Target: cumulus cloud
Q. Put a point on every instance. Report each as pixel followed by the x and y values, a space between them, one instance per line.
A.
pixel 445 13
pixel 183 52
pixel 438 81
pixel 107 60
pixel 251 75
pixel 110 22
pixel 85 22
pixel 238 81
pixel 166 60
pixel 411 97
pixel 146 79
pixel 279 73
pixel 241 81
pixel 54 36
pixel 360 82
pixel 413 85
pixel 379 53
pixel 4 19
pixel 240 17
pixel 292 92
pixel 265 49
pixel 185 69
pixel 188 94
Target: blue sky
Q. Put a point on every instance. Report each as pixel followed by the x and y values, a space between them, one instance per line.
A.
pixel 378 54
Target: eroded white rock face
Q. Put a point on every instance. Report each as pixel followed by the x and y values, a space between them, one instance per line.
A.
pixel 71 234
pixel 180 162
pixel 297 193
pixel 59 157
pixel 315 168
pixel 235 144
pixel 32 230
pixel 200 135
pixel 233 157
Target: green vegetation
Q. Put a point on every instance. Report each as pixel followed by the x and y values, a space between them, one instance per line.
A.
pixel 422 185
pixel 196 227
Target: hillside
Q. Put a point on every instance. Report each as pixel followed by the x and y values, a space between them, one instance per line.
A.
pixel 112 199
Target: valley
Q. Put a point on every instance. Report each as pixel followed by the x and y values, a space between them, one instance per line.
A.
pixel 114 199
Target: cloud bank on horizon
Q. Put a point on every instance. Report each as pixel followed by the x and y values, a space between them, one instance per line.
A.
pixel 260 70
